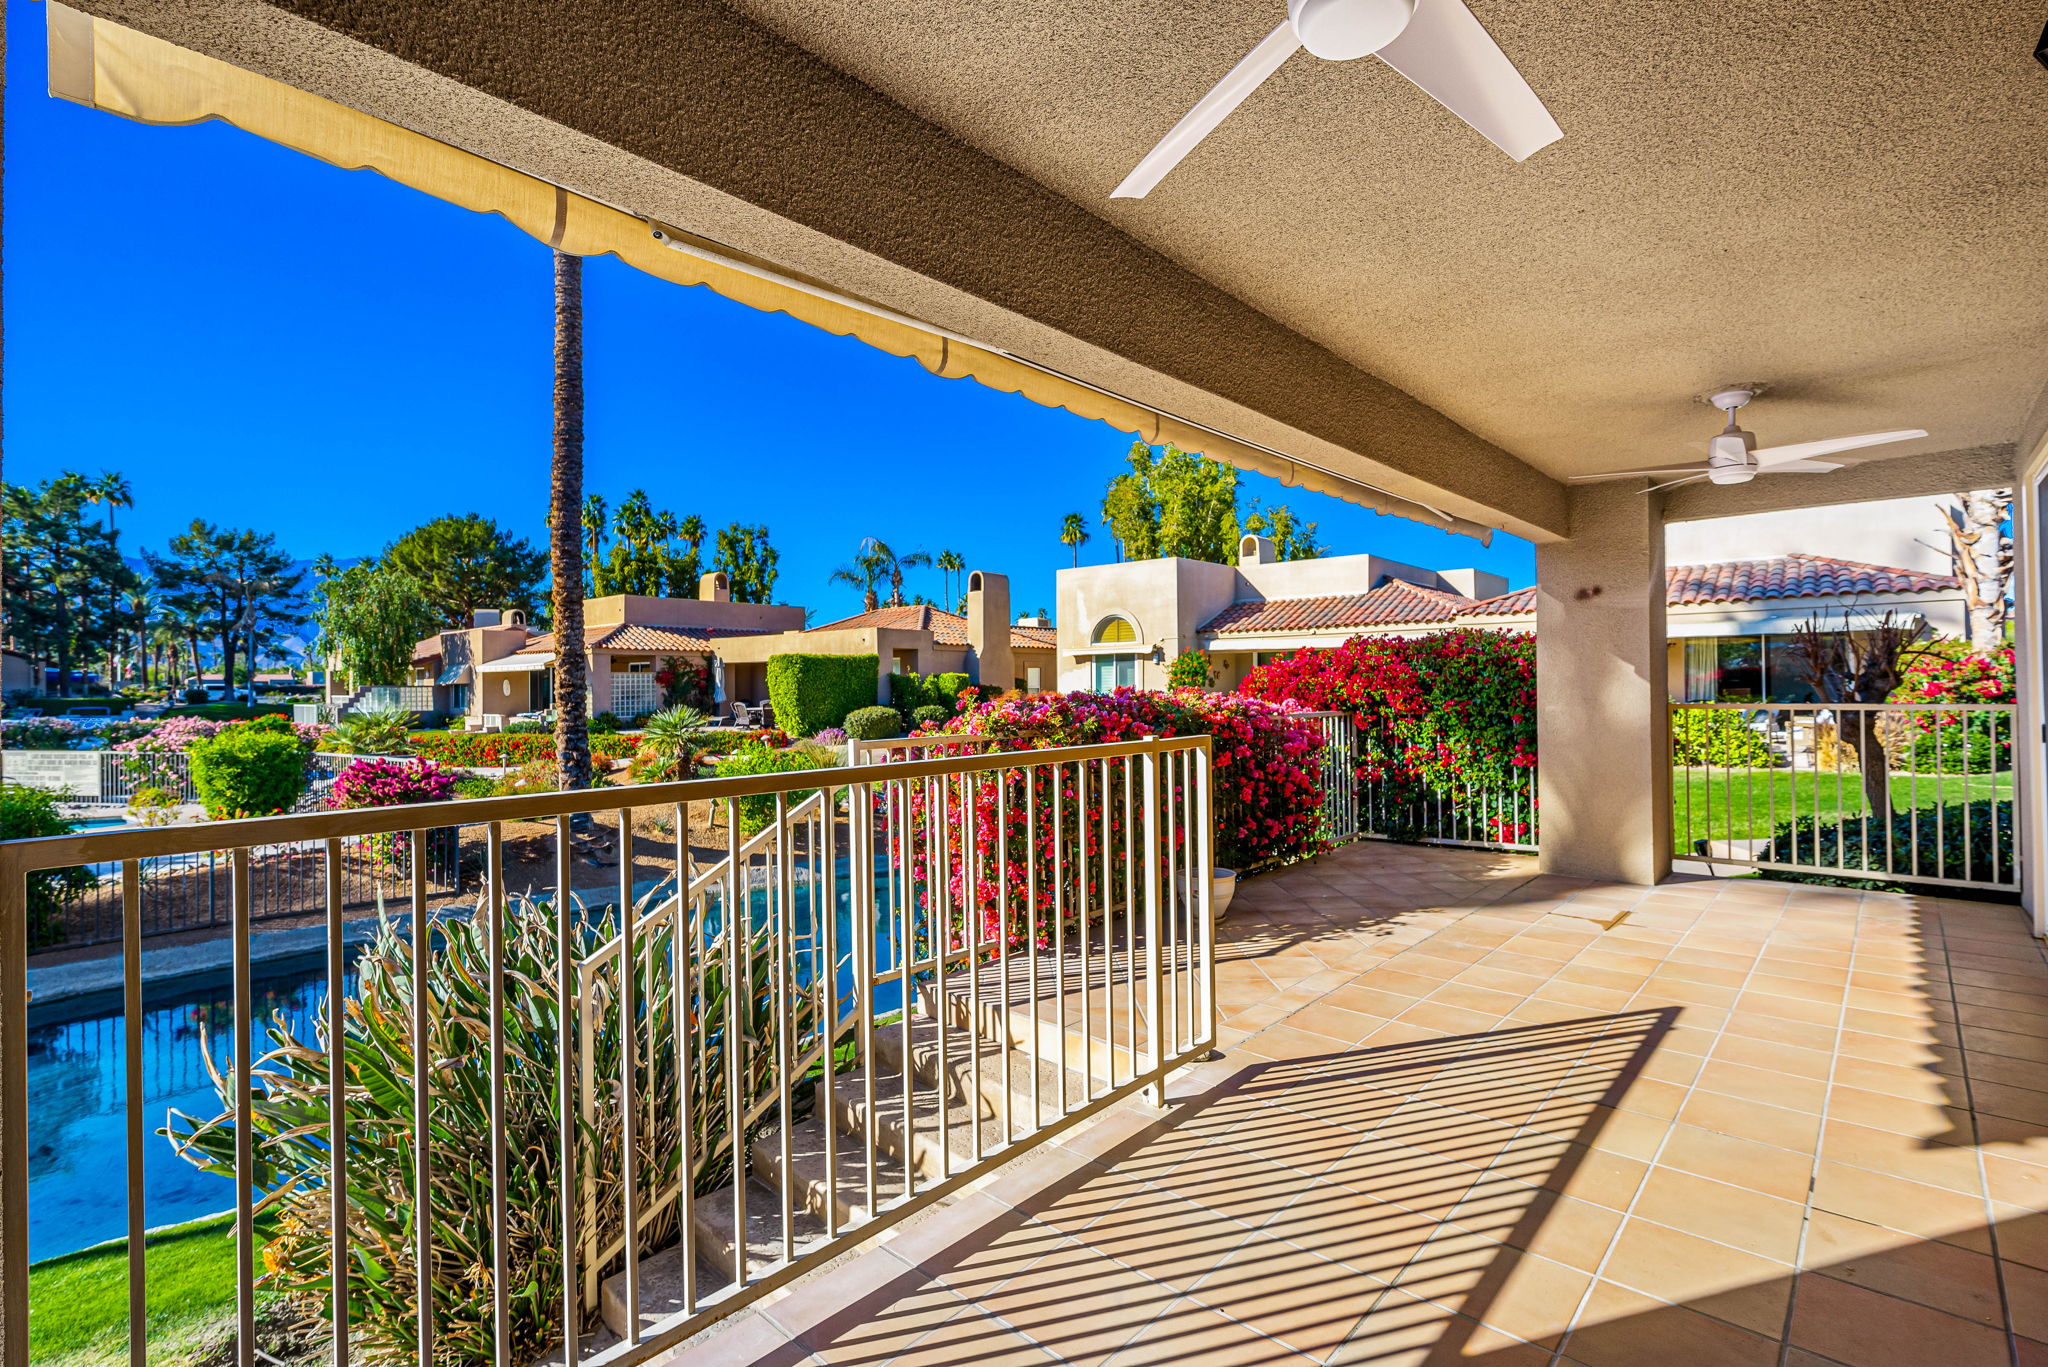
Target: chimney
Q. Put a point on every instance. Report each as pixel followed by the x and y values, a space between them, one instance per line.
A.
pixel 988 629
pixel 486 617
pixel 714 588
pixel 1474 584
pixel 1255 550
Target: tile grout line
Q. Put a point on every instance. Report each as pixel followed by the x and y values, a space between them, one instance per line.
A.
pixel 1558 1354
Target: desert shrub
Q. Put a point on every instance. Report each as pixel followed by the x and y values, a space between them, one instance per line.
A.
pixel 669 741
pixel 1190 669
pixel 27 813
pixel 1718 737
pixel 812 692
pixel 375 729
pixel 874 723
pixel 606 724
pixel 931 714
pixel 248 771
pixel 758 809
pixel 475 787
pixel 291 1109
pixel 831 735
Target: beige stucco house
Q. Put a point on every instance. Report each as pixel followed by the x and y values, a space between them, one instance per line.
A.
pixel 498 667
pixel 1729 622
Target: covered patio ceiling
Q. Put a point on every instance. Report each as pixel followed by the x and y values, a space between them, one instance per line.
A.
pixel 1845 201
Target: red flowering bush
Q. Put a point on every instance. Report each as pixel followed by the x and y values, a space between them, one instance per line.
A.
pixel 1438 717
pixel 510 749
pixel 1004 826
pixel 1959 741
pixel 396 783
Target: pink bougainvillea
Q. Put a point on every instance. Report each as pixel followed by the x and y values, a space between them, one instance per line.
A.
pixel 392 783
pixel 1440 715
pixel 1056 845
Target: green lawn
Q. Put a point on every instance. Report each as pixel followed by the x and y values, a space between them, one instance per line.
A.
pixel 1738 806
pixel 78 1304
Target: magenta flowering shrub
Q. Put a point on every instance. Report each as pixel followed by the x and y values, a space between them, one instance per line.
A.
pixel 1439 717
pixel 392 783
pixel 1001 831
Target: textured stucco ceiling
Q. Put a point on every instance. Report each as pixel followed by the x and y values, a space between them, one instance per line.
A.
pixel 1848 201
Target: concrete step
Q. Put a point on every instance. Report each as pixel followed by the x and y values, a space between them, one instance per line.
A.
pixel 661 1273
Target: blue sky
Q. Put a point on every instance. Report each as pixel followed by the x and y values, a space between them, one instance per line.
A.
pixel 261 339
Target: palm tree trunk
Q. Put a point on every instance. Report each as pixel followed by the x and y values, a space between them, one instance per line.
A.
pixel 565 529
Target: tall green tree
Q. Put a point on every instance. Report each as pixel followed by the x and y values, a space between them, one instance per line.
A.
pixel 239 586
pixel 65 581
pixel 865 574
pixel 470 562
pixel 565 530
pixel 1176 503
pixel 1074 535
pixel 596 524
pixel 949 564
pixel 748 562
pixel 370 618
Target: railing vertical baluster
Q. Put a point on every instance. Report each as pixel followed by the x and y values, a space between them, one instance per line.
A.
pixel 572 1087
pixel 131 1022
pixel 1059 927
pixel 971 924
pixel 1001 843
pixel 501 1175
pixel 1031 940
pixel 1085 925
pixel 1205 917
pixel 861 925
pixel 1130 913
pixel 824 927
pixel 629 1069
pixel 684 994
pixel 1156 1050
pixel 738 916
pixel 422 1102
pixel 784 991
pixel 1969 807
pixel 337 1108
pixel 938 836
pixel 245 1117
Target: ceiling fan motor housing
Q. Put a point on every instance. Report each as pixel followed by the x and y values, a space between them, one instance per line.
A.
pixel 1343 30
pixel 1728 456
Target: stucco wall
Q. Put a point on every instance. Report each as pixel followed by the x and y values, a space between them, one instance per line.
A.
pixel 1905 532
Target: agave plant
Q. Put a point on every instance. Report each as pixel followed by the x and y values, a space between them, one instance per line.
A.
pixel 293 1100
pixel 376 728
pixel 669 740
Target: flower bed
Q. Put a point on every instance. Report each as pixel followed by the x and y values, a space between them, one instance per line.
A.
pixel 1265 774
pixel 509 749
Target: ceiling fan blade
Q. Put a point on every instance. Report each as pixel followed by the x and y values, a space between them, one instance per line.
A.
pixel 1448 53
pixel 1226 95
pixel 1625 474
pixel 1673 483
pixel 1803 450
pixel 1799 467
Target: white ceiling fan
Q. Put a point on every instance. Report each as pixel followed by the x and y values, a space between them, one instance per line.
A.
pixel 1733 456
pixel 1437 44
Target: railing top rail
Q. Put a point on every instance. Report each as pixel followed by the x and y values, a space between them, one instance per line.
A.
pixel 1850 706
pixel 19 857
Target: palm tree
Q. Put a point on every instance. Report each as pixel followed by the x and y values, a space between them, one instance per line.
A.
pixel 866 571
pixel 898 564
pixel 565 529
pixel 113 490
pixel 691 530
pixel 594 524
pixel 1074 534
pixel 142 607
pixel 949 563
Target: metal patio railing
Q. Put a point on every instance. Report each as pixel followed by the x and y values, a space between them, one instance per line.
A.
pixel 1489 815
pixel 883 981
pixel 1787 787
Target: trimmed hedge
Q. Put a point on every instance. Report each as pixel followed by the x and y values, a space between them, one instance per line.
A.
pixel 248 771
pixel 874 723
pixel 931 714
pixel 813 692
pixel 1710 736
pixel 1940 831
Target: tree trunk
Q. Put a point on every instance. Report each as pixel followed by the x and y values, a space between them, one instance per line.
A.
pixel 1982 556
pixel 565 529
pixel 1861 730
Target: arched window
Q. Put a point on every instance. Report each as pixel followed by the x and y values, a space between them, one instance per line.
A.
pixel 1119 670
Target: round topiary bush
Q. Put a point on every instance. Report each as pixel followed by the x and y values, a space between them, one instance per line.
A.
pixel 931 715
pixel 874 723
pixel 248 771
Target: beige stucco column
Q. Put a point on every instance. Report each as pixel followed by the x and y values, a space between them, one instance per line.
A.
pixel 1603 722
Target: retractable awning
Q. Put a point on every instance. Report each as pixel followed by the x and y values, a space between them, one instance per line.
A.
pixel 120 70
pixel 517 664
pixel 452 677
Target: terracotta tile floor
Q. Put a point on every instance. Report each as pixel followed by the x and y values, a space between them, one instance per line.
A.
pixel 1465 1113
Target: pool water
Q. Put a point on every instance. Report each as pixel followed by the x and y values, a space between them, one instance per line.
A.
pixel 77 1071
pixel 77 1084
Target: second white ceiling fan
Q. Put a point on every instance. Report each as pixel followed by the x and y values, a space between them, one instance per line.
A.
pixel 1437 44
